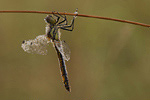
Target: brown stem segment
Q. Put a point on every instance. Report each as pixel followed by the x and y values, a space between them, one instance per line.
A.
pixel 82 15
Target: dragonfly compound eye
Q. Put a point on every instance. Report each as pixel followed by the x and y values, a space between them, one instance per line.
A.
pixel 49 19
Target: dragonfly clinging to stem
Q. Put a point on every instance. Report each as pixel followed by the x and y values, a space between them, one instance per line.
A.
pixel 53 34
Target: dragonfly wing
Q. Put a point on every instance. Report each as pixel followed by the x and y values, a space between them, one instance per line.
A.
pixel 64 49
pixel 37 45
pixel 62 67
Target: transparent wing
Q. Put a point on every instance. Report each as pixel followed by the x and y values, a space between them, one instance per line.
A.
pixel 63 49
pixel 37 45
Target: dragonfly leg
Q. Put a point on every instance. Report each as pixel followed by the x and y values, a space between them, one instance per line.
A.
pixel 66 27
pixel 64 19
pixel 58 17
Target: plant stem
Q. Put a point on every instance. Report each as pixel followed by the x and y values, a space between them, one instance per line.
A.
pixel 81 15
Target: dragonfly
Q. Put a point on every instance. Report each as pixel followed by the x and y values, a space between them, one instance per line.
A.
pixel 53 35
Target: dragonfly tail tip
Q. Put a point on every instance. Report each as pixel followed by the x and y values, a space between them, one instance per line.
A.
pixel 68 89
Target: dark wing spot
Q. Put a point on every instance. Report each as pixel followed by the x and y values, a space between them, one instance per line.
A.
pixel 23 41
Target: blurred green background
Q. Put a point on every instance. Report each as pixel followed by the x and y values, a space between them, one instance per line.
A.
pixel 109 60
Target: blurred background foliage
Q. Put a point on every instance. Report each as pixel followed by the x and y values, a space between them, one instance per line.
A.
pixel 109 60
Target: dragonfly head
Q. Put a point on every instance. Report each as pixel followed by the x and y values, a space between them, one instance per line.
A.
pixel 49 19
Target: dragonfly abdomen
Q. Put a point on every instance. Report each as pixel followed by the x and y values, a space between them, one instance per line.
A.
pixel 63 69
pixel 64 77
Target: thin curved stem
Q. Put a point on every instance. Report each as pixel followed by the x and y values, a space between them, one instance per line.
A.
pixel 81 15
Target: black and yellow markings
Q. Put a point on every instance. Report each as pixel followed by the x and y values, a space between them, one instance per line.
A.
pixel 63 69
